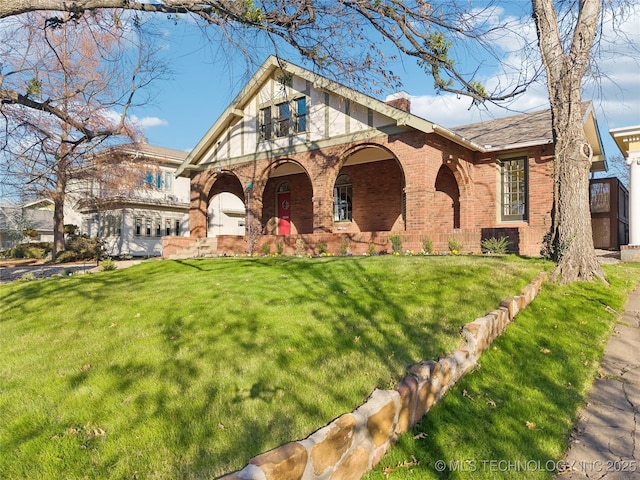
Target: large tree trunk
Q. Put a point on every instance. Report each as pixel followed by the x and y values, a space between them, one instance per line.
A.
pixel 571 234
pixel 58 216
pixel 572 237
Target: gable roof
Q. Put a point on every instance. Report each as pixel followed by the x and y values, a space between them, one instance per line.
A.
pixel 530 129
pixel 518 131
pixel 152 152
pixel 233 113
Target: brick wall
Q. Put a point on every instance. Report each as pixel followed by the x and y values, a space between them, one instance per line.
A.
pixel 448 190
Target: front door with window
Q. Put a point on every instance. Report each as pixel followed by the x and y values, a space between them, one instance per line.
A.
pixel 284 213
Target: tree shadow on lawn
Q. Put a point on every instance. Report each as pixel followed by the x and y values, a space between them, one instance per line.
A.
pixel 512 418
pixel 179 391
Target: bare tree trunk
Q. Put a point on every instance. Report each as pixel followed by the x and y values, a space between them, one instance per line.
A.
pixel 58 217
pixel 571 234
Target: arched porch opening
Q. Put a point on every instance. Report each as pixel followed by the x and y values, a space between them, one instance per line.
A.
pixel 446 205
pixel 287 200
pixel 226 210
pixel 368 192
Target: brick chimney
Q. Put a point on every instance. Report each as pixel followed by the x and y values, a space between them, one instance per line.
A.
pixel 399 100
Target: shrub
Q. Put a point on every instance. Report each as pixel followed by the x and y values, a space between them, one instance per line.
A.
pixel 371 249
pixel 27 277
pixel 266 249
pixel 496 246
pixel 396 243
pixel 322 248
pixel 80 247
pixel 280 248
pixel 454 245
pixel 32 233
pixel 301 248
pixel 70 229
pixel 427 246
pixel 344 247
pixel 108 264
pixel 31 250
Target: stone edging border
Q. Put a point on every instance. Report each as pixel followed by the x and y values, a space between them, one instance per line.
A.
pixel 354 443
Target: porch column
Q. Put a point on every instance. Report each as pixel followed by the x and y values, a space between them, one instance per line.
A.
pixel 628 141
pixel 633 161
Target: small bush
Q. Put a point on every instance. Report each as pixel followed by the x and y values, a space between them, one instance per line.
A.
pixel 70 229
pixel 108 264
pixel 280 248
pixel 27 277
pixel 371 249
pixel 496 246
pixel 301 248
pixel 31 250
pixel 396 243
pixel 344 247
pixel 266 249
pixel 454 245
pixel 322 248
pixel 80 247
pixel 427 246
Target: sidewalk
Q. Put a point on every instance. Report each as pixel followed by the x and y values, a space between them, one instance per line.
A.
pixel 606 440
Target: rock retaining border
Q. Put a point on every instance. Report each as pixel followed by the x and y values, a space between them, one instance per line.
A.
pixel 354 443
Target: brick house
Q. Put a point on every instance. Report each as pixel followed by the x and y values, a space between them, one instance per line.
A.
pixel 314 162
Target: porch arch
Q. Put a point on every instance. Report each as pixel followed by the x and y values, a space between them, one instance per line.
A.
pixel 299 197
pixel 226 207
pixel 377 183
pixel 446 205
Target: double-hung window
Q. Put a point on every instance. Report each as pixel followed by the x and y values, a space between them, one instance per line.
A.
pixel 301 115
pixel 283 119
pixel 513 173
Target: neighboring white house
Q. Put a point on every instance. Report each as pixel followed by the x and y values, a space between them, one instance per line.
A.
pixel 15 219
pixel 137 203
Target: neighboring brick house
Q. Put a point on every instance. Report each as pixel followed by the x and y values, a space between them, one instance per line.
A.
pixel 314 162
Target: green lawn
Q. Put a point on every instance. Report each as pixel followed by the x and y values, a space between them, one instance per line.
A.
pixel 186 369
pixel 512 417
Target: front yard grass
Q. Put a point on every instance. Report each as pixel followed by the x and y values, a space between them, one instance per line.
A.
pixel 186 369
pixel 512 417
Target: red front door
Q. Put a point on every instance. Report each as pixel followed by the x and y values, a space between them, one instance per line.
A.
pixel 284 213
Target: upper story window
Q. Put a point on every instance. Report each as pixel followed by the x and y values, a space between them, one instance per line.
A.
pixel 301 115
pixel 265 123
pixel 158 180
pixel 342 193
pixel 513 173
pixel 283 119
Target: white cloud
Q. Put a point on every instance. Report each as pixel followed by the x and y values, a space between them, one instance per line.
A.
pixel 147 122
pixel 615 93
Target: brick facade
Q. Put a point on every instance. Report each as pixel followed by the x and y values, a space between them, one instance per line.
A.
pixel 426 187
pixel 408 176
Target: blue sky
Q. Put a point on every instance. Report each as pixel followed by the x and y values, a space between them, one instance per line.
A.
pixel 207 76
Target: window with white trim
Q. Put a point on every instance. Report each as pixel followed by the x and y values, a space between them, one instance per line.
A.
pixel 342 193
pixel 513 174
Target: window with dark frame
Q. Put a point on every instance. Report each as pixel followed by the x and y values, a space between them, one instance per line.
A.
pixel 265 126
pixel 167 227
pixel 177 230
pixel 283 119
pixel 514 189
pixel 138 226
pixel 301 115
pixel 342 193
pixel 148 228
